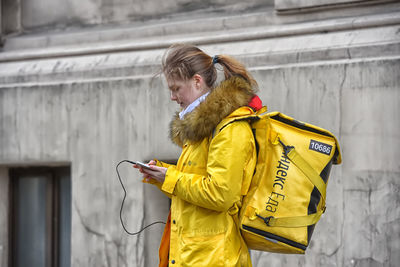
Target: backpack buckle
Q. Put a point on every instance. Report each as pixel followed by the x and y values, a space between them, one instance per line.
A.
pixel 286 149
pixel 265 219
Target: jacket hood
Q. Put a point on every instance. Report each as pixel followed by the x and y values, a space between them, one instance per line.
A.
pixel 228 96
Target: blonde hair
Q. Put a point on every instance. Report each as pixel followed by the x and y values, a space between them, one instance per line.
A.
pixel 183 61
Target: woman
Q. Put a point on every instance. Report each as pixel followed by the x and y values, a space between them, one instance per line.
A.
pixel 217 161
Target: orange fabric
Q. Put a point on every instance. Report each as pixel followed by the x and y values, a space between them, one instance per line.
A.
pixel 163 251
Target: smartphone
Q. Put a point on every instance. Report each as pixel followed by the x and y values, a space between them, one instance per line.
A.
pixel 143 165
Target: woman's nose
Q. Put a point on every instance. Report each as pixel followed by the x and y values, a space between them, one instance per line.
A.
pixel 173 96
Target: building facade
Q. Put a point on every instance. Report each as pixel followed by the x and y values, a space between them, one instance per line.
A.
pixel 80 91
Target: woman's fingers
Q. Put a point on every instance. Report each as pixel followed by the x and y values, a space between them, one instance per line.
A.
pixel 154 173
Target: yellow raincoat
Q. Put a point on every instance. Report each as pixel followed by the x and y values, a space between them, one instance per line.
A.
pixel 210 178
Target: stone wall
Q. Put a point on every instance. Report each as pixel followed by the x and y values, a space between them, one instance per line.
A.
pixel 360 226
pixel 287 5
pixel 89 98
pixel 3 217
pixel 34 15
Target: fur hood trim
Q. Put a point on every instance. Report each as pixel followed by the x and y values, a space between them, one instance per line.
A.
pixel 230 95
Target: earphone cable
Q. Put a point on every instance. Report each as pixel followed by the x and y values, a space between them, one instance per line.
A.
pixel 123 201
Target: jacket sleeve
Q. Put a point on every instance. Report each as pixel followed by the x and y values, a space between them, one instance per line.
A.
pixel 231 153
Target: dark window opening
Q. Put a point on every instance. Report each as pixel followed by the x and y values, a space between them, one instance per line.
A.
pixel 40 228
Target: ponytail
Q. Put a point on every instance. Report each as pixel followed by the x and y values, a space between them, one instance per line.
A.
pixel 232 67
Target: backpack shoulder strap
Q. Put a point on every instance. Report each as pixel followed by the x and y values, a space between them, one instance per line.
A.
pixel 250 118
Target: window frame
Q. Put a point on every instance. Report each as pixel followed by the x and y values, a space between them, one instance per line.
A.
pixel 53 189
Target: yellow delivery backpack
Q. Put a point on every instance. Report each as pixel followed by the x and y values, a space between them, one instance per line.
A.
pixel 287 194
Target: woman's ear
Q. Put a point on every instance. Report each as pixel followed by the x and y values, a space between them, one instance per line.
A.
pixel 198 81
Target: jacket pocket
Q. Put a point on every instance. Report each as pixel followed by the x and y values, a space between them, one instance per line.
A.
pixel 206 250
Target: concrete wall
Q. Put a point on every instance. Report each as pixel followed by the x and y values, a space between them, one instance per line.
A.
pixel 34 15
pixel 90 98
pixel 284 5
pixel 4 216
pixel 93 126
pixel 358 101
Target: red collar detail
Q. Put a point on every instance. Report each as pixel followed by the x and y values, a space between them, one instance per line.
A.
pixel 255 103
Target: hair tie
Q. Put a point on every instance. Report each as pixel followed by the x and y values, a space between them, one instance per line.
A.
pixel 215 59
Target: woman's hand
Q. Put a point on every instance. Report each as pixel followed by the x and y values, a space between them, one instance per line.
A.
pixel 154 173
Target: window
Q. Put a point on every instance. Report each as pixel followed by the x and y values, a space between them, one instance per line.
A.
pixel 40 217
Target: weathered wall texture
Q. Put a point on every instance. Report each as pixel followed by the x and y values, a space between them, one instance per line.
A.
pixel 304 4
pixel 92 125
pixel 3 216
pixel 358 101
pixel 95 100
pixel 32 15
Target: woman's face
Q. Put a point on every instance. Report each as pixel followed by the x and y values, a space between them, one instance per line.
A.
pixel 184 92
